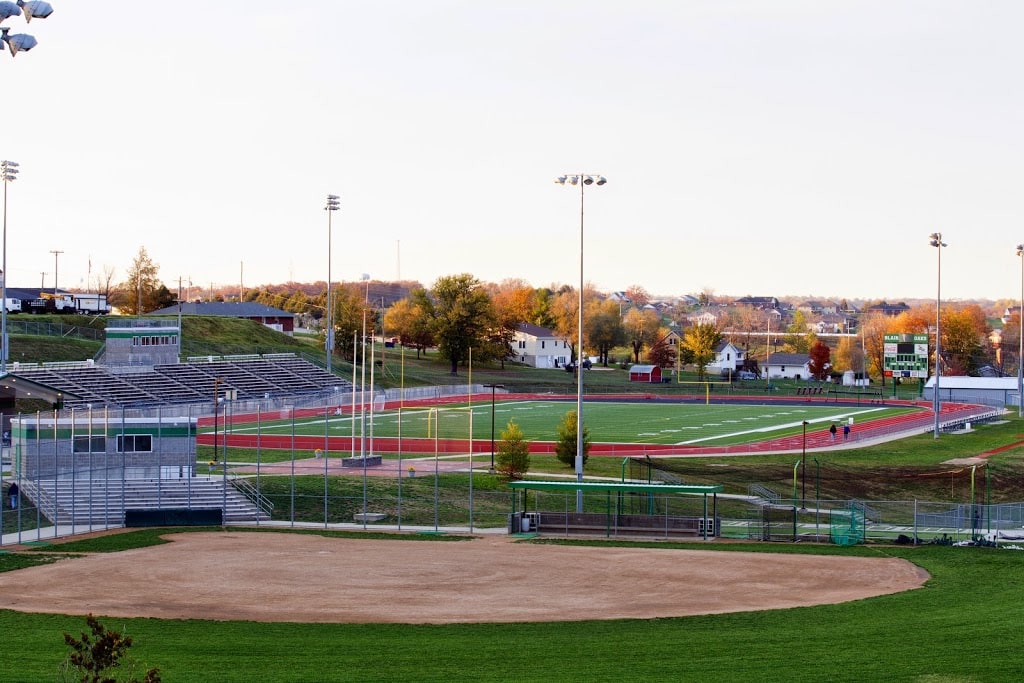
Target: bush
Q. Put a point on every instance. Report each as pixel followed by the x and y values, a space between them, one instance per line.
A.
pixel 96 658
pixel 565 447
pixel 512 458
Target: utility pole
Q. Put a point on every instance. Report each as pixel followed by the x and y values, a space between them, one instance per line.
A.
pixel 56 253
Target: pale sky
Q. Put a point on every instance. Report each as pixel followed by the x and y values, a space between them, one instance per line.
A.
pixel 782 148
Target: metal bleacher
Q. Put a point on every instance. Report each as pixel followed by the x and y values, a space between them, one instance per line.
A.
pixel 251 377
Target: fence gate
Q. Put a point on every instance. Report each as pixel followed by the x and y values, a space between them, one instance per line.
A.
pixel 778 523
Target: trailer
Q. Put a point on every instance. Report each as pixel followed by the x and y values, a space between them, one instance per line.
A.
pixel 90 303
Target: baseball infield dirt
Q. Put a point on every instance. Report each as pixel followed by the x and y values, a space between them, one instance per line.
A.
pixel 305 578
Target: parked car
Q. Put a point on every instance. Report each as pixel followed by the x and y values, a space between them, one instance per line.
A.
pixel 746 374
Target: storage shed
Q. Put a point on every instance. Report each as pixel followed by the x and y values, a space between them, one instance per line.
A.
pixel 645 373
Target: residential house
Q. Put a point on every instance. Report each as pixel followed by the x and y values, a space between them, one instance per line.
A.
pixel 892 310
pixel 728 359
pixel 540 347
pixel 819 307
pixel 758 302
pixel 788 366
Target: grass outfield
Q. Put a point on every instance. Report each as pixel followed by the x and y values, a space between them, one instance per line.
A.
pixel 608 422
pixel 964 625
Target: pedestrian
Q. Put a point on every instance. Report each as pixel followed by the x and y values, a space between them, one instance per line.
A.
pixel 846 432
pixel 12 491
pixel 832 431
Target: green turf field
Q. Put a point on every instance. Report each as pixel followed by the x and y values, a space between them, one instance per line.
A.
pixel 608 422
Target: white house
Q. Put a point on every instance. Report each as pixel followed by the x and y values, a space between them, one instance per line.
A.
pixel 539 347
pixel 788 366
pixel 728 359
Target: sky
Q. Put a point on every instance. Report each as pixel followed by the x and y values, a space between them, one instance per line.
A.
pixel 784 148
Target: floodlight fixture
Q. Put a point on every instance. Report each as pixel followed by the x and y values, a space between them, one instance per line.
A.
pixel 35 9
pixel 8 10
pixel 18 42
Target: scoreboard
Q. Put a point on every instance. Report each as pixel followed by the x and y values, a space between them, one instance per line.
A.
pixel 906 355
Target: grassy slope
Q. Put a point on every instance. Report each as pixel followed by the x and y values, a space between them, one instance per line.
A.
pixel 972 597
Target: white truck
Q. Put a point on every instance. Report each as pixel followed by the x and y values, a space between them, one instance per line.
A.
pixel 90 303
pixel 12 305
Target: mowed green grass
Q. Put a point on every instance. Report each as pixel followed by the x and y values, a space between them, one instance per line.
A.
pixel 608 422
pixel 964 625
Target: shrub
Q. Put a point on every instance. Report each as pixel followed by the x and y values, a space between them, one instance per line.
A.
pixel 513 455
pixel 96 658
pixel 565 447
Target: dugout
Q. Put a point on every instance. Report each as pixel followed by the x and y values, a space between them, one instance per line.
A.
pixel 692 518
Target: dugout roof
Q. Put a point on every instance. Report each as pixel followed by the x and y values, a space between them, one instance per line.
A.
pixel 619 487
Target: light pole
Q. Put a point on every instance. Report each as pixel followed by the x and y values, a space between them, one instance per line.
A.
pixel 935 239
pixel 362 381
pixel 582 180
pixel 492 387
pixel 1020 351
pixel 803 471
pixel 216 410
pixel 8 172
pixel 333 204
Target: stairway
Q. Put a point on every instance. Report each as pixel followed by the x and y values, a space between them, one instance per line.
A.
pixel 103 501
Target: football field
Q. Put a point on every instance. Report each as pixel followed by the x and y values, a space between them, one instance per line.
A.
pixel 642 422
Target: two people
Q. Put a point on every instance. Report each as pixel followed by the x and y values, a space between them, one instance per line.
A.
pixel 846 431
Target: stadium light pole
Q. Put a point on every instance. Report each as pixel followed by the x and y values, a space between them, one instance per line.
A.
pixel 333 204
pixel 803 471
pixel 582 180
pixel 935 239
pixel 1020 351
pixel 8 172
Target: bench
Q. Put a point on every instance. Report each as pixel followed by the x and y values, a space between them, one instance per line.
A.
pixel 369 516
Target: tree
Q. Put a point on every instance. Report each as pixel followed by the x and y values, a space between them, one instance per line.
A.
pixel 662 353
pixel 98 656
pixel 873 329
pixel 638 295
pixel 848 355
pixel 799 338
pixel 513 302
pixel 460 314
pixel 410 324
pixel 820 360
pixel 350 305
pixel 138 293
pixel 512 458
pixel 1009 344
pixel 603 327
pixel 962 333
pixel 641 327
pixel 565 446
pixel 563 311
pixel 701 341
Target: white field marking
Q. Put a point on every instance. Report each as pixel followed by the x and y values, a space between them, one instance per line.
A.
pixel 778 427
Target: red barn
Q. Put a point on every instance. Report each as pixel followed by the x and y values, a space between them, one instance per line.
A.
pixel 645 373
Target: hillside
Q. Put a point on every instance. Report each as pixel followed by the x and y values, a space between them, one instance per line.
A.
pixel 42 338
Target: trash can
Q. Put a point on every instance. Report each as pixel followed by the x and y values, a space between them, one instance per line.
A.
pixel 515 522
